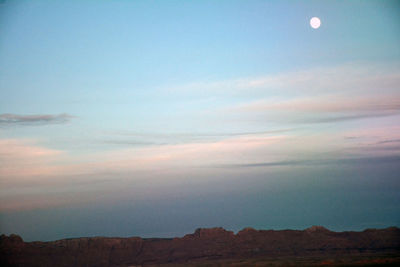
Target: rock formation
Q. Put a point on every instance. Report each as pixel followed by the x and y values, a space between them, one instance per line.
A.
pixel 204 245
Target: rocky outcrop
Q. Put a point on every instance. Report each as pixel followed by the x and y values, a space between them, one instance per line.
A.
pixel 203 245
pixel 316 228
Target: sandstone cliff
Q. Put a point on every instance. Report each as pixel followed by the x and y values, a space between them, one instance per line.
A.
pixel 204 245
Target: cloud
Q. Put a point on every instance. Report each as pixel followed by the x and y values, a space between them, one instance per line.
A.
pixel 329 104
pixel 31 173
pixel 265 164
pixel 355 77
pixel 204 134
pixel 22 157
pixel 389 141
pixel 26 160
pixel 349 117
pixel 130 143
pixel 318 95
pixel 42 119
pixel 162 139
pixel 347 161
pixel 322 109
pixel 41 201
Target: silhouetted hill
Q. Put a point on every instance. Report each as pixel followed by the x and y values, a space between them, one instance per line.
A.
pixel 216 246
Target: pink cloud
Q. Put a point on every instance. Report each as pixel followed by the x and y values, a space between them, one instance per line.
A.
pixel 32 175
pixel 22 157
pixel 380 103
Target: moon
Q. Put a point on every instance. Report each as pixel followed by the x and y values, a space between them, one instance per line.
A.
pixel 315 22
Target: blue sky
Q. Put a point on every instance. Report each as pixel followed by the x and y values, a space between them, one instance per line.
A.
pixel 238 110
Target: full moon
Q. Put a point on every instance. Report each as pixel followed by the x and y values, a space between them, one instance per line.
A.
pixel 315 22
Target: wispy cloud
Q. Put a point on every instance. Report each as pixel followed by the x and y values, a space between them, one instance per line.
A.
pixel 38 119
pixel 161 139
pixel 315 96
pixel 362 101
pixel 390 141
pixel 130 142
pixel 202 134
pixel 318 95
pixel 23 157
pixel 342 79
pixel 31 173
pixel 265 164
pixel 314 162
pixel 348 117
pixel 329 104
pixel 35 171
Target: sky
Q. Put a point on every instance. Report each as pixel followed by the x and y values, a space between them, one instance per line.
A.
pixel 154 118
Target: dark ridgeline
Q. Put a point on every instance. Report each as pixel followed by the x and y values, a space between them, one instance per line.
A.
pixel 315 246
